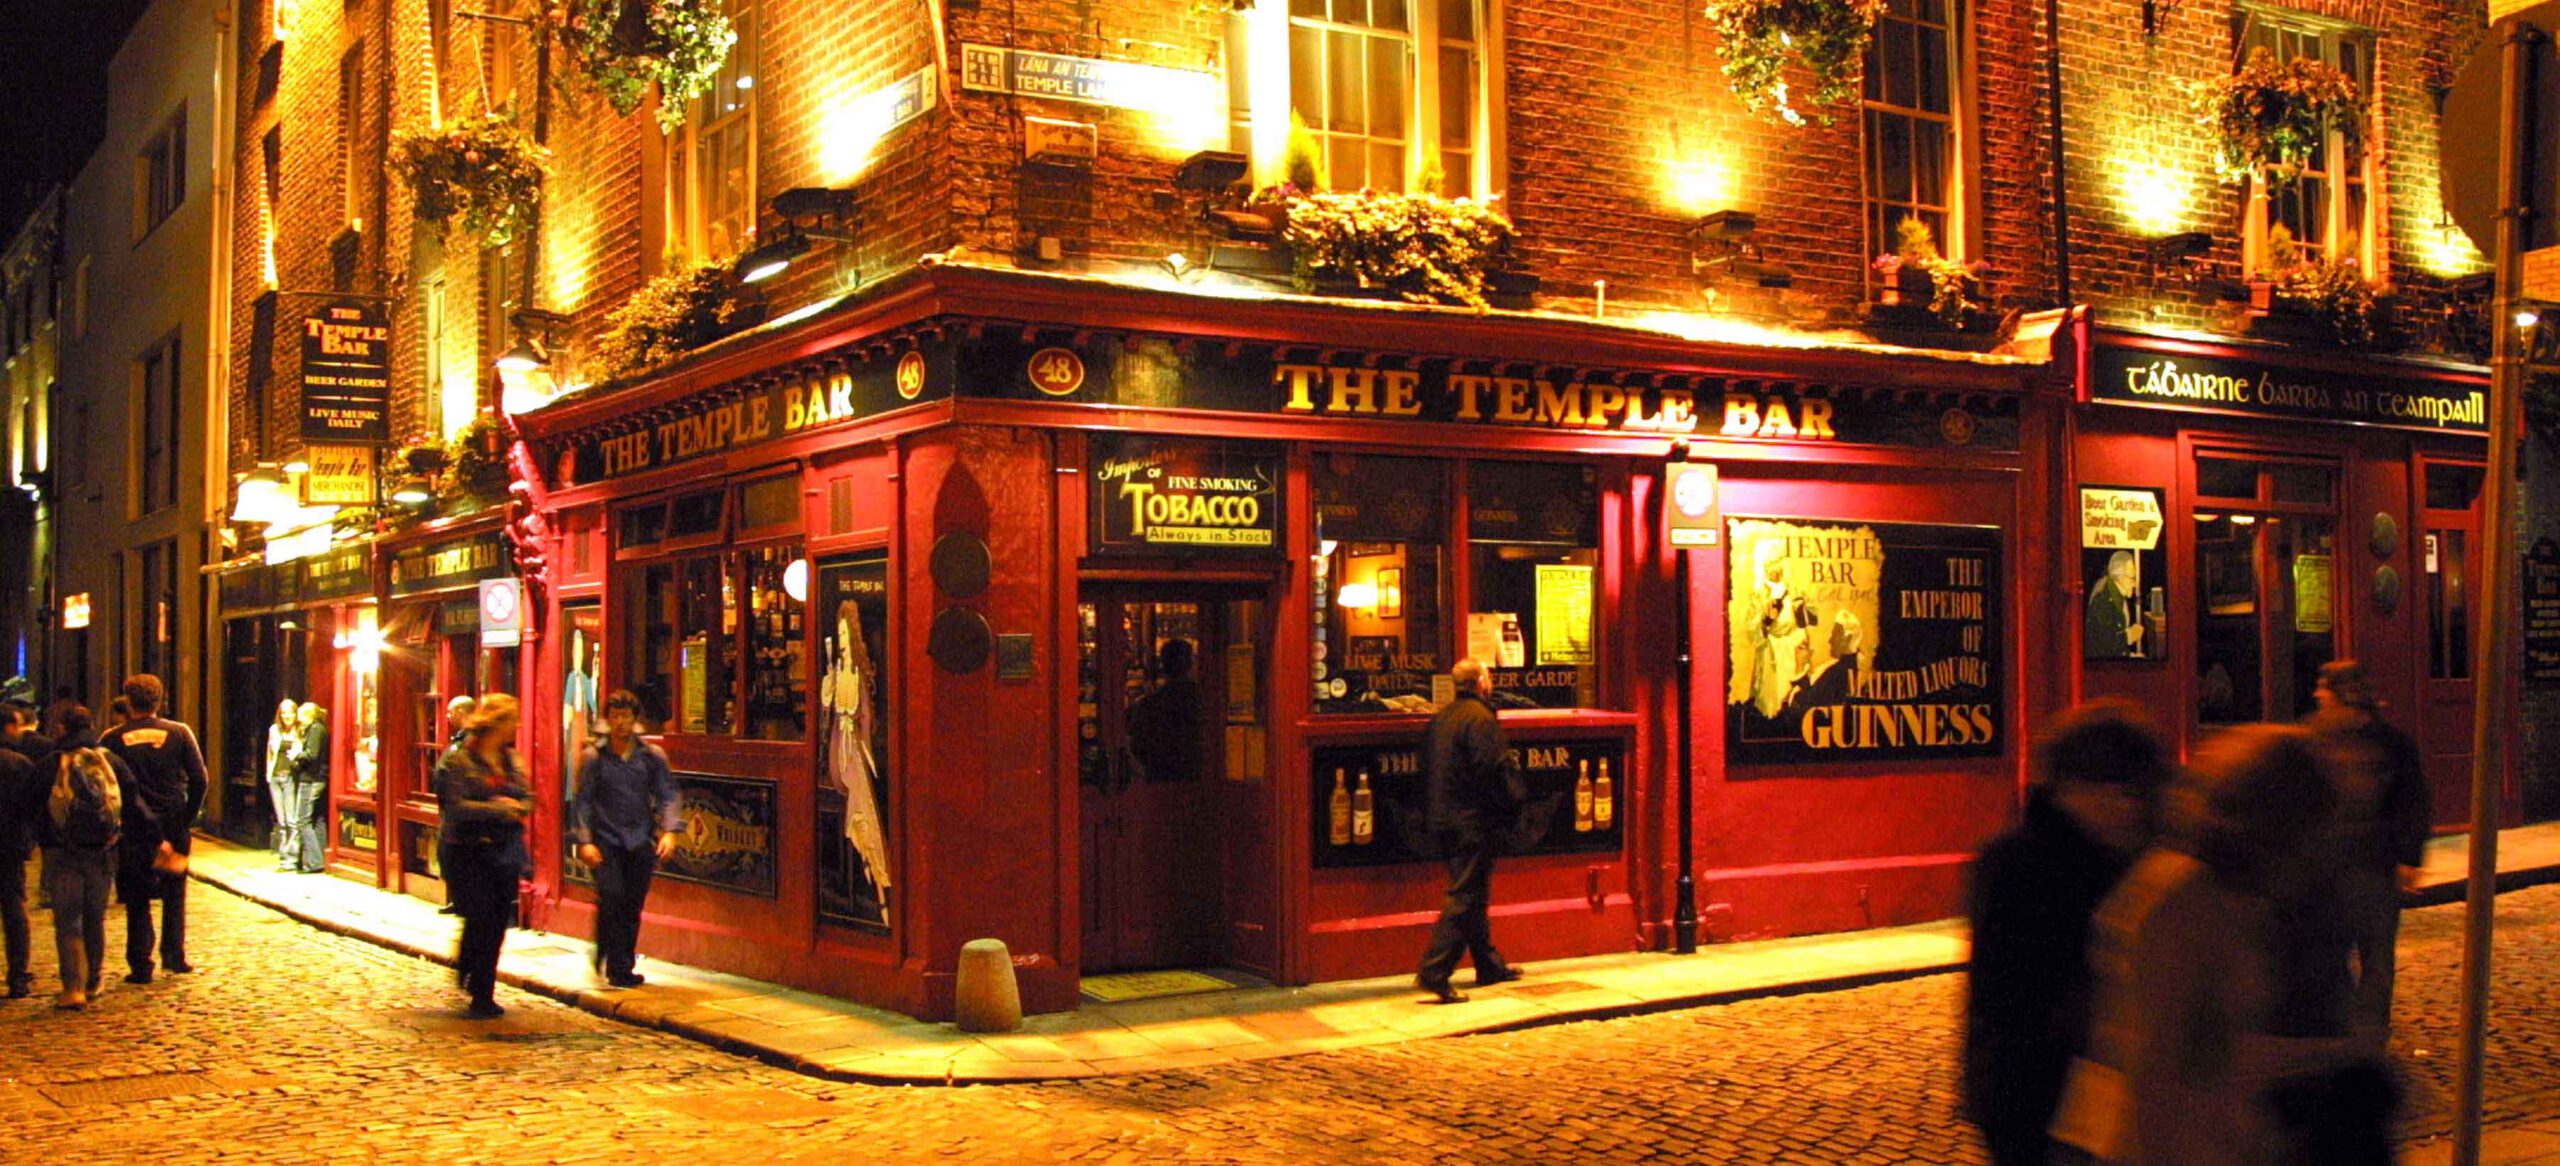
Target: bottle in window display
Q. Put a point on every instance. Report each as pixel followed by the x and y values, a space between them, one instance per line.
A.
pixel 1604 798
pixel 1364 813
pixel 1583 797
pixel 1340 834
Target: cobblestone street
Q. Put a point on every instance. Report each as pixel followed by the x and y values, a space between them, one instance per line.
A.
pixel 292 1045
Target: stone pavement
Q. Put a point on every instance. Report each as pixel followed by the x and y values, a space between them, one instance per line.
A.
pixel 844 1041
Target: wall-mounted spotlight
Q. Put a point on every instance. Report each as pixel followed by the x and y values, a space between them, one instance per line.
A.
pixel 262 496
pixel 772 259
pixel 1211 170
pixel 537 334
pixel 807 212
pixel 1727 254
pixel 2178 248
pixel 1724 226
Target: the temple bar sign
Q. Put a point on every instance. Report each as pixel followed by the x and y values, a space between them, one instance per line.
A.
pixel 346 374
pixel 2174 380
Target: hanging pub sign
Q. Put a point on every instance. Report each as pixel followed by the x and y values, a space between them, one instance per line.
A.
pixel 2369 395
pixel 1856 641
pixel 1151 372
pixel 340 475
pixel 346 374
pixel 817 394
pixel 1153 495
pixel 1371 802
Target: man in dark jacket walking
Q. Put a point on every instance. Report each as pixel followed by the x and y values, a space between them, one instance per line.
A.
pixel 624 821
pixel 1475 790
pixel 168 776
pixel 2035 890
pixel 22 801
pixel 2381 827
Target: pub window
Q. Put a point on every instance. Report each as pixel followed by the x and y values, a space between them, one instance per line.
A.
pixel 711 158
pixel 2452 495
pixel 157 436
pixel 1914 149
pixel 715 633
pixel 2326 210
pixel 1533 570
pixel 1382 541
pixel 1395 92
pixel 160 175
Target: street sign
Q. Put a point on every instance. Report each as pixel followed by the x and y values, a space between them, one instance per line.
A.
pixel 501 612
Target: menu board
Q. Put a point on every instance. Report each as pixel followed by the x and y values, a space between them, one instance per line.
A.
pixel 2542 612
pixel 1858 641
pixel 1372 804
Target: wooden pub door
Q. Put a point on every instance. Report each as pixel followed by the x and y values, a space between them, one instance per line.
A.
pixel 1152 705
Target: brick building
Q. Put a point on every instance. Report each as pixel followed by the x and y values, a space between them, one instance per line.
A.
pixel 897 564
pixel 30 306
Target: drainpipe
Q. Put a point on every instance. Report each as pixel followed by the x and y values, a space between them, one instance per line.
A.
pixel 2061 199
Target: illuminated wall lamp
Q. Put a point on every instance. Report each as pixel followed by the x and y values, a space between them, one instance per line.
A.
pixel 412 491
pixel 262 496
pixel 1358 596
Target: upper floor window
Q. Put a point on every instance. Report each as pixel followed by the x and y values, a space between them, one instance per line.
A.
pixel 2325 209
pixel 158 434
pixel 160 175
pixel 1914 140
pixel 711 161
pixel 1393 92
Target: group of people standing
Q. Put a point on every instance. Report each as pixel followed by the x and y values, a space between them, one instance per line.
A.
pixel 2193 966
pixel 297 782
pixel 110 810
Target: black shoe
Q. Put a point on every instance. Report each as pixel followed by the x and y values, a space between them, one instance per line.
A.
pixel 1501 974
pixel 21 987
pixel 626 980
pixel 182 967
pixel 143 977
pixel 484 1010
pixel 1441 990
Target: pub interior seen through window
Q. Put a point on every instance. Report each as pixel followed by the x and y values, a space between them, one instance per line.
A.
pixel 714 632
pixel 1389 614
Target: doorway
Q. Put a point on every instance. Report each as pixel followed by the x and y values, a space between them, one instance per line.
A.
pixel 2266 572
pixel 1169 720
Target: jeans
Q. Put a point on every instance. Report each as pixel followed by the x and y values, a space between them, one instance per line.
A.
pixel 280 801
pixel 13 915
pixel 79 882
pixel 137 926
pixel 2372 899
pixel 1464 928
pixel 308 842
pixel 483 891
pixel 622 886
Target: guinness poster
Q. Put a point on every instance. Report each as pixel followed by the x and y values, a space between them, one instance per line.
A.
pixel 1156 496
pixel 1371 804
pixel 727 840
pixel 1862 641
pixel 346 374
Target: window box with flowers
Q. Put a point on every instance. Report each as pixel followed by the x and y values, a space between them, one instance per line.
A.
pixel 1759 40
pixel 1921 290
pixel 483 173
pixel 1419 248
pixel 674 314
pixel 624 46
pixel 2302 298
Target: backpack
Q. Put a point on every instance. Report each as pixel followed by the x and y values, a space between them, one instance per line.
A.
pixel 87 804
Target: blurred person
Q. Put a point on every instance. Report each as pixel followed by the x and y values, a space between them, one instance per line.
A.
pixel 481 787
pixel 2099 770
pixel 22 804
pixel 119 711
pixel 283 737
pixel 624 821
pixel 2382 827
pixel 1475 790
pixel 18 731
pixel 310 786
pixel 168 777
pixel 457 719
pixel 87 812
pixel 2219 1035
pixel 1163 727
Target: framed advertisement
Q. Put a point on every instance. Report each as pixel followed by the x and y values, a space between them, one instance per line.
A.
pixel 2124 573
pixel 727 840
pixel 851 602
pixel 1860 641
pixel 581 716
pixel 1371 803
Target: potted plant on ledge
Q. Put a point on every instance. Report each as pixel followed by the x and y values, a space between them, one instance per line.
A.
pixel 1925 296
pixel 2304 298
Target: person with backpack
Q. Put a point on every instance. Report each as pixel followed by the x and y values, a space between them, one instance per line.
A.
pixel 22 801
pixel 168 776
pixel 86 813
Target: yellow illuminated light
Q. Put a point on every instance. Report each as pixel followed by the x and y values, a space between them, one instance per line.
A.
pixel 1697 183
pixel 75 611
pixel 2155 197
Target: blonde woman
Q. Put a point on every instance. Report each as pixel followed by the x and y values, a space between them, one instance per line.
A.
pixel 480 784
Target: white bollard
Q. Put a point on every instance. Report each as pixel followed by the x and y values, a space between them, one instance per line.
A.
pixel 985 997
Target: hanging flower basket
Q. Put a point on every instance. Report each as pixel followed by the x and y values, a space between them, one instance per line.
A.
pixel 2268 118
pixel 1759 39
pixel 483 172
pixel 673 315
pixel 623 46
pixel 1420 248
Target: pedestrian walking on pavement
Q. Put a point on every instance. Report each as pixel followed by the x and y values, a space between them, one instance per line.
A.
pixel 1475 791
pixel 168 778
pixel 22 804
pixel 624 821
pixel 457 719
pixel 2382 826
pixel 310 786
pixel 284 737
pixel 481 788
pixel 18 731
pixel 2099 770
pixel 88 809
pixel 2219 1034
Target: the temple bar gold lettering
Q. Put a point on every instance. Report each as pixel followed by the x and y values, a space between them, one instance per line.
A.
pixel 807 401
pixel 1326 390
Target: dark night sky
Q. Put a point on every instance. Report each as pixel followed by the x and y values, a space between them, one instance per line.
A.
pixel 53 91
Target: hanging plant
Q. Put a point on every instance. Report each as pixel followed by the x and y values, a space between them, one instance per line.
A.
pixel 1422 248
pixel 1758 39
pixel 623 46
pixel 476 461
pixel 670 316
pixel 2269 118
pixel 484 172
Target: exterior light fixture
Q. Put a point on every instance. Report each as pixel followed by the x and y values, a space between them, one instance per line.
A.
pixel 1358 596
pixel 412 491
pixel 795 580
pixel 524 357
pixel 1724 226
pixel 2527 317
pixel 1732 257
pixel 2177 248
pixel 1211 170
pixel 529 324
pixel 773 258
pixel 297 464
pixel 262 496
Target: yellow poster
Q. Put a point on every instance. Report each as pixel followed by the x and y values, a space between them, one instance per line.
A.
pixel 1564 614
pixel 696 682
pixel 2313 607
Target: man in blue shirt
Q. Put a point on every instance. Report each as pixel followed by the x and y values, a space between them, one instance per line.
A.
pixel 624 821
